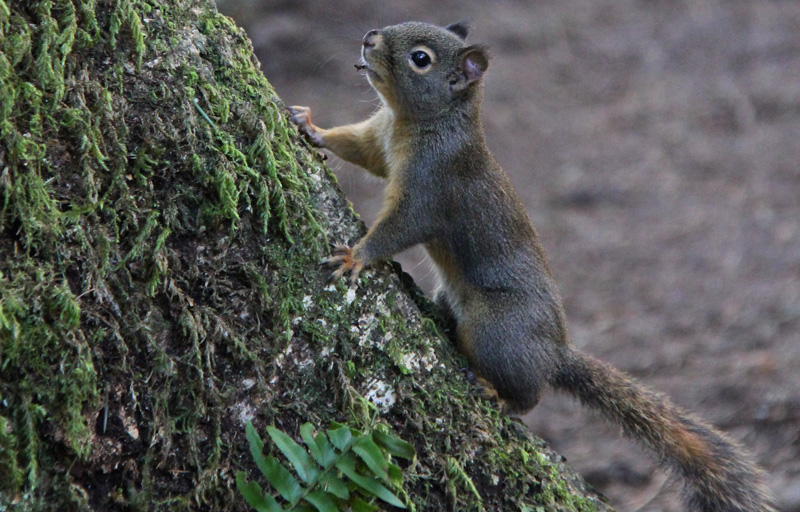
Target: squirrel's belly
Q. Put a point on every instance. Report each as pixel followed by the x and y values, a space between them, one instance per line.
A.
pixel 451 284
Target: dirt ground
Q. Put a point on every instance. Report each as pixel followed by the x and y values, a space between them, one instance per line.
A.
pixel 656 145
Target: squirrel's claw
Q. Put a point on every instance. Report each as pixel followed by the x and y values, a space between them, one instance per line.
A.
pixel 342 262
pixel 301 116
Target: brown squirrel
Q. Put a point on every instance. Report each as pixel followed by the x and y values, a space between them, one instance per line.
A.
pixel 446 191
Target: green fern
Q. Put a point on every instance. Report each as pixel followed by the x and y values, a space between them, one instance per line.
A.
pixel 342 470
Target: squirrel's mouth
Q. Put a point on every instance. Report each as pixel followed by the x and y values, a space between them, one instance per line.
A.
pixel 364 66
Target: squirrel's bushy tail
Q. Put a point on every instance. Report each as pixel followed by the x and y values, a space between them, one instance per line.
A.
pixel 716 476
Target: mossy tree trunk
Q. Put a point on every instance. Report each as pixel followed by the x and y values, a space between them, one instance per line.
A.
pixel 160 231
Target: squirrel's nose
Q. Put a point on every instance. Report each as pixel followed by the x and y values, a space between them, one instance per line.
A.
pixel 371 39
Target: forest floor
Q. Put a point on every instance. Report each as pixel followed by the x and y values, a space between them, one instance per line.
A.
pixel 656 146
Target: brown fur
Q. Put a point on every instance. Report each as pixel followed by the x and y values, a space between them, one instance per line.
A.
pixel 446 191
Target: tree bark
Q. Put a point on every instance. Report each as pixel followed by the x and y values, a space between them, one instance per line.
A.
pixel 161 228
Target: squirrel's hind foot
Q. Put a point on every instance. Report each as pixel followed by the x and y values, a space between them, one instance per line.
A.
pixel 343 262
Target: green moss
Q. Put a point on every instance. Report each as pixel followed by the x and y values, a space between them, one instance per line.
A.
pixel 126 15
pixel 102 198
pixel 457 477
pixel 39 313
pixel 11 475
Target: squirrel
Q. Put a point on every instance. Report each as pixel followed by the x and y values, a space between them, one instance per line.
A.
pixel 445 190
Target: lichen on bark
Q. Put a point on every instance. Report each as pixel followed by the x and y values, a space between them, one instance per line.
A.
pixel 160 231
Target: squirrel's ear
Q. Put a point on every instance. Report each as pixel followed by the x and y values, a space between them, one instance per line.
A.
pixel 474 61
pixel 461 29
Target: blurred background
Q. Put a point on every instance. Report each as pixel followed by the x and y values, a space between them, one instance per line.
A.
pixel 656 145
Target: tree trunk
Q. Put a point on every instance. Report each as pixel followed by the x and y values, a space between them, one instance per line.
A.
pixel 162 225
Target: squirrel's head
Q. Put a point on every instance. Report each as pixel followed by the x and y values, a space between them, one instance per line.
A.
pixel 423 70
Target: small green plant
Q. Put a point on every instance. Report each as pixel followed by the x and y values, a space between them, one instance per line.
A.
pixel 346 470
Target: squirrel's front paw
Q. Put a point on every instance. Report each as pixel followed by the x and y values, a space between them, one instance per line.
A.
pixel 343 262
pixel 301 116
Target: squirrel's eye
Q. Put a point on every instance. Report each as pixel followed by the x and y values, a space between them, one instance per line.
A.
pixel 421 59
